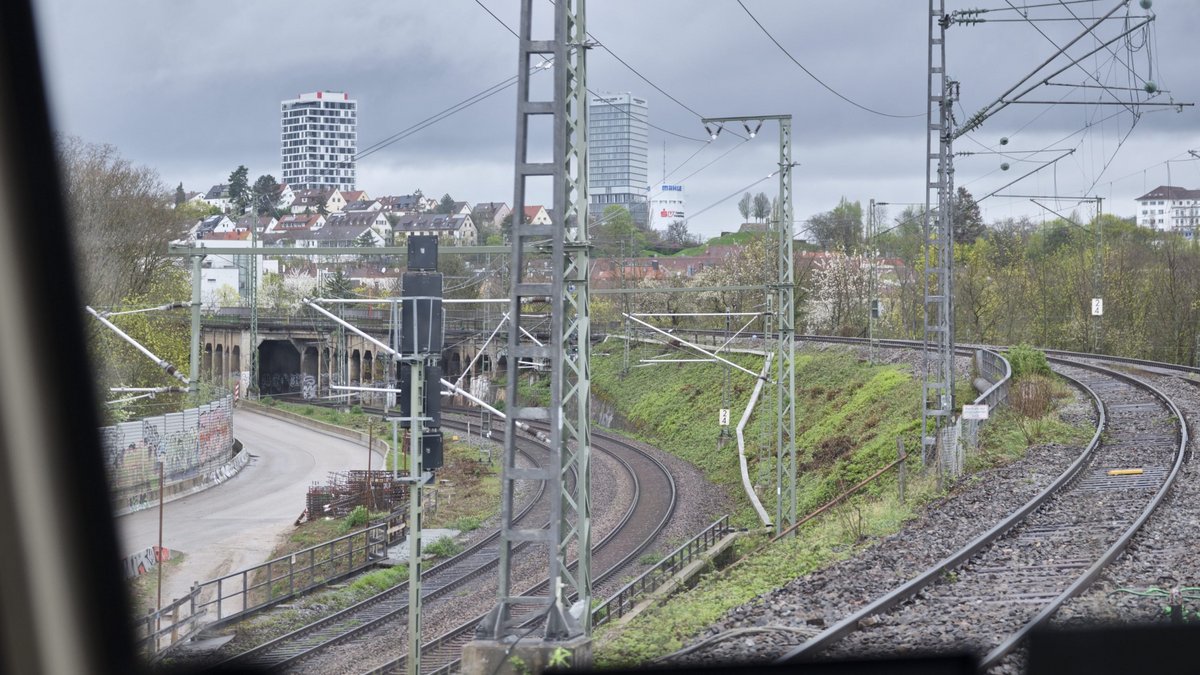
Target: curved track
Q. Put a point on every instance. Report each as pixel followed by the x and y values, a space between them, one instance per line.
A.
pixel 642 521
pixel 355 620
pixel 1013 577
pixel 652 509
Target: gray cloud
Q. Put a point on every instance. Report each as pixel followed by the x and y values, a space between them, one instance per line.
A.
pixel 193 89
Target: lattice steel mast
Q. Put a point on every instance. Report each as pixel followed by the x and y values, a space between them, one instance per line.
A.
pixel 563 246
pixel 938 383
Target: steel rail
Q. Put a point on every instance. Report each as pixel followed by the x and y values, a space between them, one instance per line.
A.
pixel 455 636
pixel 908 590
pixel 1083 581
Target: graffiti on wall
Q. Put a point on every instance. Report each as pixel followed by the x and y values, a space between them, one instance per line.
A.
pixel 143 561
pixel 308 387
pixel 284 383
pixel 188 444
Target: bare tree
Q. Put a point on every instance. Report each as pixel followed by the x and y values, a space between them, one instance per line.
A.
pixel 121 219
pixel 744 207
pixel 762 207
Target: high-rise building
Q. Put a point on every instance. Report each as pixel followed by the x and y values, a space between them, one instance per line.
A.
pixel 617 154
pixel 319 141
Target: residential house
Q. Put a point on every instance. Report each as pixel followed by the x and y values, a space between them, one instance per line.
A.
pixel 490 214
pixel 207 226
pixel 296 230
pixel 310 201
pixel 537 215
pixel 340 198
pixel 455 229
pixel 460 208
pixel 363 205
pixel 262 223
pixel 286 197
pixel 218 196
pixel 376 220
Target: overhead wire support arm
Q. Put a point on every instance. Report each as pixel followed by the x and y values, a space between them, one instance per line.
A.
pixel 975 120
pixel 165 365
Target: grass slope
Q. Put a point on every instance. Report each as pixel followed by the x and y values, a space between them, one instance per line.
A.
pixel 849 415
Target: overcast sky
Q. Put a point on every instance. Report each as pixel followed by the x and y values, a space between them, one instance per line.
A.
pixel 192 89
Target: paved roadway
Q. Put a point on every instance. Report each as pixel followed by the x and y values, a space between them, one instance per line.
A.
pixel 238 523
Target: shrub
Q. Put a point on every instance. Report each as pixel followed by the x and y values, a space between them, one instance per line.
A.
pixel 356 518
pixel 443 548
pixel 466 523
pixel 1027 361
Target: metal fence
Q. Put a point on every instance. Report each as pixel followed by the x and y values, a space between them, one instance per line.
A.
pixel 624 600
pixel 189 443
pixel 995 369
pixel 254 588
pixel 161 629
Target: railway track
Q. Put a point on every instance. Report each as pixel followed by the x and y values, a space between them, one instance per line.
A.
pixel 653 508
pixel 363 616
pixel 648 512
pixel 1008 580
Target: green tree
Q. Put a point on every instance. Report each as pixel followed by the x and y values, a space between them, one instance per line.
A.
pixel 840 228
pixel 239 188
pixel 265 195
pixel 616 233
pixel 365 240
pixel 189 212
pixel 163 333
pixel 180 195
pixel 968 221
pixel 446 205
pixel 338 285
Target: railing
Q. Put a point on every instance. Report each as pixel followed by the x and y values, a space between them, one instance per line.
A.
pixel 625 599
pixel 995 369
pixel 182 619
pixel 254 588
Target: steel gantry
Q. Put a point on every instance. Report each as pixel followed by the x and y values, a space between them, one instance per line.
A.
pixel 562 281
pixel 785 309
pixel 938 364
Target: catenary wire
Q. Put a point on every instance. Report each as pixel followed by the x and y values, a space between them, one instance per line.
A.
pixel 817 79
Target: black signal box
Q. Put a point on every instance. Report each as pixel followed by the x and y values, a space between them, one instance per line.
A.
pixel 433 394
pixel 431 451
pixel 422 252
pixel 422 321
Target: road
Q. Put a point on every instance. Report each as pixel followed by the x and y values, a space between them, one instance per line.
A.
pixel 238 523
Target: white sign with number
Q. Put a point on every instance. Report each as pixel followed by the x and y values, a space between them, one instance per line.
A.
pixel 1097 306
pixel 975 412
pixel 723 417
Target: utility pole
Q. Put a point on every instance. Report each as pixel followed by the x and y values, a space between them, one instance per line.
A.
pixel 873 308
pixel 255 261
pixel 564 246
pixel 785 313
pixel 194 367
